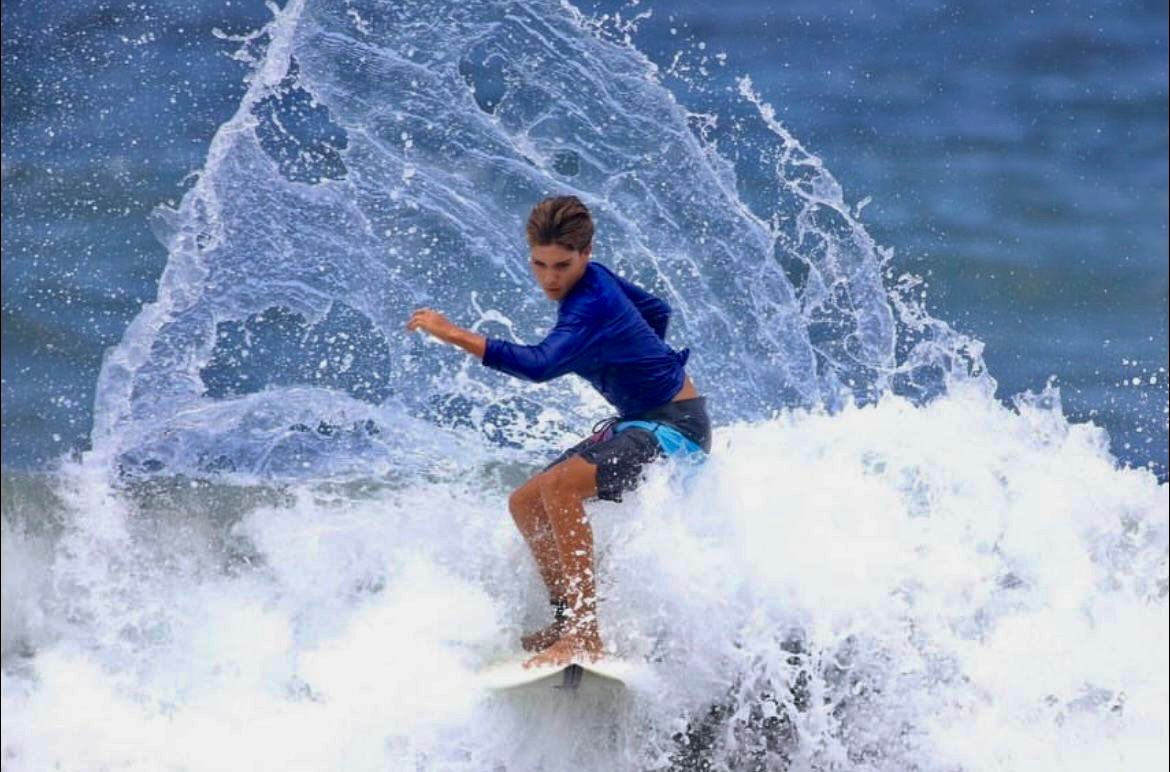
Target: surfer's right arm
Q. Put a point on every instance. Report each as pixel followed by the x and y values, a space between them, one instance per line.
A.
pixel 436 325
pixel 554 356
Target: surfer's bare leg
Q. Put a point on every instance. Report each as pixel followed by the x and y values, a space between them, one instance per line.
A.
pixel 563 491
pixel 527 508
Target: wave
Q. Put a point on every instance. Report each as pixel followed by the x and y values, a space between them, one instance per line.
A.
pixel 384 159
pixel 958 585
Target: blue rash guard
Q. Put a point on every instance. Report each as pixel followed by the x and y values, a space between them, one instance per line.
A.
pixel 612 334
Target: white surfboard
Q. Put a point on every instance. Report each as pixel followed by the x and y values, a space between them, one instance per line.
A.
pixel 511 674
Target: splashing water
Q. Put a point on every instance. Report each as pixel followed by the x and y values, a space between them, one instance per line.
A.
pixel 290 548
pixel 386 160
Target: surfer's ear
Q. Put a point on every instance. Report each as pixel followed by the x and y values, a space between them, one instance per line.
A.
pixel 587 251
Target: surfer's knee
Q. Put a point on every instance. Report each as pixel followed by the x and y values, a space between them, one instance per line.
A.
pixel 524 501
pixel 516 502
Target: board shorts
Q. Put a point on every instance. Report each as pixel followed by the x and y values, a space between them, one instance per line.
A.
pixel 621 447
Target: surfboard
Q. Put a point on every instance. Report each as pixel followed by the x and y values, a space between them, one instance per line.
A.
pixel 511 674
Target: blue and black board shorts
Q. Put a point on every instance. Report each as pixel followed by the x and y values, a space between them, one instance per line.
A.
pixel 621 455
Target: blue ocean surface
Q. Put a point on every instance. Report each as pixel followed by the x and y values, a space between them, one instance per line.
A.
pixel 919 253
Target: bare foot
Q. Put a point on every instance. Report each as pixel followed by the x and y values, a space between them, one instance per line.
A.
pixel 571 647
pixel 543 638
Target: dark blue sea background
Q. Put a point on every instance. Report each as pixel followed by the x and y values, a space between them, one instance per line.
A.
pixel 1013 155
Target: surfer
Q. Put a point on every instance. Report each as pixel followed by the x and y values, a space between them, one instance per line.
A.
pixel 611 333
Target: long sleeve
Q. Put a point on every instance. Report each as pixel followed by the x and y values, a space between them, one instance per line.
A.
pixel 552 357
pixel 653 309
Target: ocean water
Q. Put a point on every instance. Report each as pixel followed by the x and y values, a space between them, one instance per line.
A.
pixel 249 523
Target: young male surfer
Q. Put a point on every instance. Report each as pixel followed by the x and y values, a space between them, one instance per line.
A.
pixel 612 334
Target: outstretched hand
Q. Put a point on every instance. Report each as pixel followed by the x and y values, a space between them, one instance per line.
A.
pixel 431 322
pixel 435 324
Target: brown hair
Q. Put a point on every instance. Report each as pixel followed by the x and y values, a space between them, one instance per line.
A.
pixel 560 220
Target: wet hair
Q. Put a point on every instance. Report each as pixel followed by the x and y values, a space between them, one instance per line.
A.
pixel 560 220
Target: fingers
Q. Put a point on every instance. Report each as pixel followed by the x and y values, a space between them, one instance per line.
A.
pixel 418 319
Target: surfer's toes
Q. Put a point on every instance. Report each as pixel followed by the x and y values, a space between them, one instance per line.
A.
pixel 542 639
pixel 570 648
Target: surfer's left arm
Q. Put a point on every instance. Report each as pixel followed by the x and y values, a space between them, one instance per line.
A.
pixel 653 309
pixel 438 326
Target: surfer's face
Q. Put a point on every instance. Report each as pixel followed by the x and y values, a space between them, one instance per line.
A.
pixel 558 268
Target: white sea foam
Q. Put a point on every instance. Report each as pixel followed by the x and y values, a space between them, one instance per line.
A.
pixel 952 586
